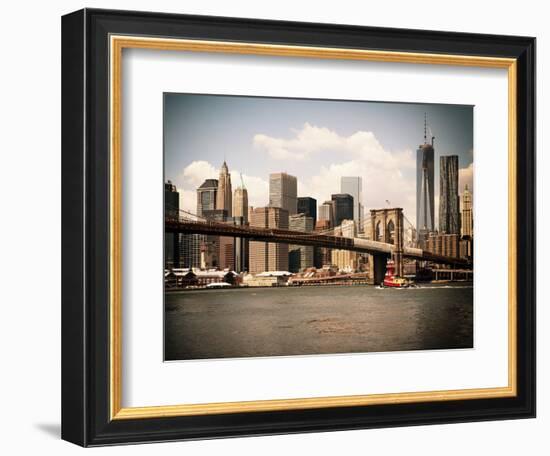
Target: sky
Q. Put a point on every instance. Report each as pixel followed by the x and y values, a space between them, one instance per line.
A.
pixel 318 141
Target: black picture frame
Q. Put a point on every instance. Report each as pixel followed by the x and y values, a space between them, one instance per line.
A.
pixel 85 227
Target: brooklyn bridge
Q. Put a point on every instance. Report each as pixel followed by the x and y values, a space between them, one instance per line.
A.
pixel 386 226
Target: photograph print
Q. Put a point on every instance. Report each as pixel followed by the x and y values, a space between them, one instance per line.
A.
pixel 316 227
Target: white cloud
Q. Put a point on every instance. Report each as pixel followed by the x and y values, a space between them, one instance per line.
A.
pixel 312 139
pixel 197 172
pixel 384 172
pixel 308 140
pixel 466 176
pixel 192 176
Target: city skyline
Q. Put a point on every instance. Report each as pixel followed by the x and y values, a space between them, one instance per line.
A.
pixel 303 208
pixel 319 153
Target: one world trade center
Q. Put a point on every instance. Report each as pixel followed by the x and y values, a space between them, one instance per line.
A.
pixel 425 189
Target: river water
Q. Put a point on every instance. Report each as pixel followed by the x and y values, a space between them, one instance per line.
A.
pixel 284 321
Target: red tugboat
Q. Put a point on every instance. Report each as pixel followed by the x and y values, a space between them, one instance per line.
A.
pixel 393 281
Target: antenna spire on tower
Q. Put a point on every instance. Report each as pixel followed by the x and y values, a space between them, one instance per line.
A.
pixel 425 124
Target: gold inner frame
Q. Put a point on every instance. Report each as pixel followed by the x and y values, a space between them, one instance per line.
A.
pixel 117 44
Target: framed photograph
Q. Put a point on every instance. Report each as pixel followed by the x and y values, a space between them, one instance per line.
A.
pixel 278 227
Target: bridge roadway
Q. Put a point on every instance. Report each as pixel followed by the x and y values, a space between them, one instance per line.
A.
pixel 300 238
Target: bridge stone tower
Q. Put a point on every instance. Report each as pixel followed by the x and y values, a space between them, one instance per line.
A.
pixel 386 226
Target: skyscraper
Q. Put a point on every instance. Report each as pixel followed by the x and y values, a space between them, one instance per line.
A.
pixel 321 255
pixel 346 260
pixel 241 248
pixel 449 222
pixel 225 195
pixel 220 248
pixel 308 206
pixel 326 212
pixel 343 207
pixel 268 256
pixel 206 196
pixel 171 200
pixel 300 257
pixel 226 252
pixel 444 244
pixel 466 219
pixel 283 192
pixel 240 217
pixel 203 248
pixel 425 197
pixel 353 185
pixel 171 240
pixel 189 250
pixel 250 210
pixel 240 203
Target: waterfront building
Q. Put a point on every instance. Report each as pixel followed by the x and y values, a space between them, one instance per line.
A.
pixel 465 248
pixel 321 255
pixel 268 256
pixel 204 278
pixel 353 185
pixel 267 279
pixel 185 252
pixel 241 217
pixel 300 257
pixel 283 189
pixel 308 206
pixel 204 249
pixel 443 244
pixel 180 277
pixel 225 195
pixel 449 222
pixel 241 248
pixel 226 255
pixel 343 207
pixel 171 240
pixel 220 249
pixel 466 218
pixel 425 197
pixel 346 260
pixel 209 246
pixel 191 250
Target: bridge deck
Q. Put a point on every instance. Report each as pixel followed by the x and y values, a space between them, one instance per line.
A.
pixel 300 238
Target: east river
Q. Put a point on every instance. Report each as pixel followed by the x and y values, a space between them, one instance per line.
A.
pixel 286 321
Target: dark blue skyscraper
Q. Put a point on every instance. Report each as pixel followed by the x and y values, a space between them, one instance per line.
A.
pixel 343 207
pixel 171 240
pixel 308 206
pixel 449 222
